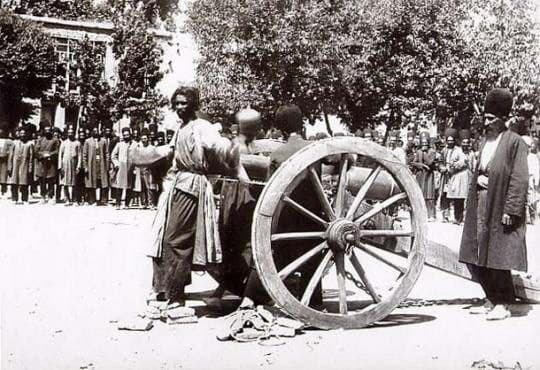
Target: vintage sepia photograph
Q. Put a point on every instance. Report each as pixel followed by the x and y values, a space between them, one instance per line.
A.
pixel 269 184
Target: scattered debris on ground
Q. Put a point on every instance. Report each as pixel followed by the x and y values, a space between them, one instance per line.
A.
pixel 262 325
pixel 497 365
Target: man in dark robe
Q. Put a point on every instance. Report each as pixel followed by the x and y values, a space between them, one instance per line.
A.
pixel 20 165
pixel 289 120
pixel 238 202
pixel 79 190
pixel 47 148
pixel 6 145
pixel 423 167
pixel 96 168
pixel 170 134
pixel 493 241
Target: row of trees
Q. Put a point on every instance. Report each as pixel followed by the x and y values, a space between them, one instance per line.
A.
pixel 369 62
pixel 29 65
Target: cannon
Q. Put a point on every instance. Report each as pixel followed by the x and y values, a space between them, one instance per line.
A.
pixel 371 231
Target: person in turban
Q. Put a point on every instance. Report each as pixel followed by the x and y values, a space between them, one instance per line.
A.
pixel 368 134
pixel 493 241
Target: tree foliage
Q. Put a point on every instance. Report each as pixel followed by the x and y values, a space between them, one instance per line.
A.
pixel 370 62
pixel 94 95
pixel 65 9
pixel 139 59
pixel 154 11
pixel 27 66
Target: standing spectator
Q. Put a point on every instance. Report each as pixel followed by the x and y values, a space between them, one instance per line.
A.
pixel 6 145
pixel 423 166
pixel 69 163
pixel 59 136
pixel 152 134
pixel 34 135
pixel 159 169
pixel 110 139
pixel 95 159
pixel 493 241
pixel 534 177
pixel 454 183
pixel 470 155
pixel 160 138
pixel 79 190
pixel 368 134
pixel 170 134
pixel 396 149
pixel 47 148
pixel 135 136
pixel 124 176
pixel 148 186
pixel 20 163
pixel 137 179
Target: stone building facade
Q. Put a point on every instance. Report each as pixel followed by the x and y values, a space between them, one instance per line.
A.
pixel 178 62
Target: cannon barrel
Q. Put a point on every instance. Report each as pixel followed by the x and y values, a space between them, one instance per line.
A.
pixel 383 188
pixel 256 166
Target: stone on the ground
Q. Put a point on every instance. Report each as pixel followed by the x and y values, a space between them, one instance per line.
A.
pixel 136 324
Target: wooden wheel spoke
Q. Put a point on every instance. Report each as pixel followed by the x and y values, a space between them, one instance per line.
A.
pixel 379 207
pixel 362 274
pixel 362 192
pixel 316 278
pixel 298 236
pixel 340 271
pixel 386 233
pixel 319 191
pixel 342 186
pixel 294 265
pixel 304 211
pixel 369 251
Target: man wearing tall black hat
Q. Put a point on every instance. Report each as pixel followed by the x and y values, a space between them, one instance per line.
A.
pixel 493 241
pixel 289 119
pixel 47 148
pixel 423 166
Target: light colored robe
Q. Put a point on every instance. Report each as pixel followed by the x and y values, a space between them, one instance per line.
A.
pixel 69 161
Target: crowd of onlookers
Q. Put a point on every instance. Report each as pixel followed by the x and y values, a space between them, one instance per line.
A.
pixel 444 168
pixel 94 167
pixel 83 167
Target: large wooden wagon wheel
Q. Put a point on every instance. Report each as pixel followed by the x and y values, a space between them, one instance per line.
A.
pixel 345 236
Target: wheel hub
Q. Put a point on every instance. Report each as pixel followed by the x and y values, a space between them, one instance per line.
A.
pixel 341 234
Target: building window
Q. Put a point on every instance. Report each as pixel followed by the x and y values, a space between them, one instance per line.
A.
pixel 66 68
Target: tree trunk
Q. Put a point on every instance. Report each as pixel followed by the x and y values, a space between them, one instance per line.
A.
pixel 4 120
pixel 327 121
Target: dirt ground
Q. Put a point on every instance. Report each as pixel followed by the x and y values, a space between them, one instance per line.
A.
pixel 69 274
